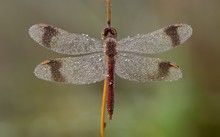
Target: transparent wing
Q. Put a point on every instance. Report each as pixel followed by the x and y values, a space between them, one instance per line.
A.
pixel 142 69
pixel 157 41
pixel 63 42
pixel 76 70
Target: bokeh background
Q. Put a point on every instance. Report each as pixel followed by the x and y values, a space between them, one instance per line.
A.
pixel 30 107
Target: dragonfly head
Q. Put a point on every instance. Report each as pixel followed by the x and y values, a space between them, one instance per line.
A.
pixel 109 33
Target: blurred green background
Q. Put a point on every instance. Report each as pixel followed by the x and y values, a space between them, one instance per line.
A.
pixel 30 107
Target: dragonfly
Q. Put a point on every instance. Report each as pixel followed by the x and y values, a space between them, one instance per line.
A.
pixel 95 59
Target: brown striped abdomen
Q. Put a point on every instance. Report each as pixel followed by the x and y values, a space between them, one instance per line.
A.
pixel 110 87
pixel 110 54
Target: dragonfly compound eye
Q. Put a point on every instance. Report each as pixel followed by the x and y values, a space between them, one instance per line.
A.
pixel 113 32
pixel 109 32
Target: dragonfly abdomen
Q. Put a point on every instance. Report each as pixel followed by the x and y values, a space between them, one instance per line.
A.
pixel 110 87
pixel 110 54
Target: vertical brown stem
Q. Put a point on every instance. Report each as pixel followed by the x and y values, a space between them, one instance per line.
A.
pixel 109 13
pixel 105 88
pixel 103 108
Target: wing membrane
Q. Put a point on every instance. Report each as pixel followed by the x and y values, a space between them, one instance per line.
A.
pixel 63 42
pixel 157 41
pixel 142 69
pixel 76 70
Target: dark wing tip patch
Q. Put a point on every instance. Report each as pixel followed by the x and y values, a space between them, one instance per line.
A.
pixel 167 69
pixel 178 33
pixel 172 32
pixel 43 34
pixel 55 66
pixel 164 68
pixel 49 33
pixel 50 70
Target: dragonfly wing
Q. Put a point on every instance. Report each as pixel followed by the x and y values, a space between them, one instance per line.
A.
pixel 157 41
pixel 76 70
pixel 139 68
pixel 60 41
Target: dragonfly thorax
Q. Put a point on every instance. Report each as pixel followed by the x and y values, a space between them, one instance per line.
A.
pixel 110 45
pixel 109 33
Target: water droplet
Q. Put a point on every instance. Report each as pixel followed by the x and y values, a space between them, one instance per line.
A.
pixel 110 83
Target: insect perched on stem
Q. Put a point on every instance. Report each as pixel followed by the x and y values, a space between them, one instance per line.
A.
pixel 98 59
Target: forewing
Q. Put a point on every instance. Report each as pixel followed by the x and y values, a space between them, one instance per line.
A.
pixel 76 70
pixel 157 41
pixel 142 69
pixel 60 41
